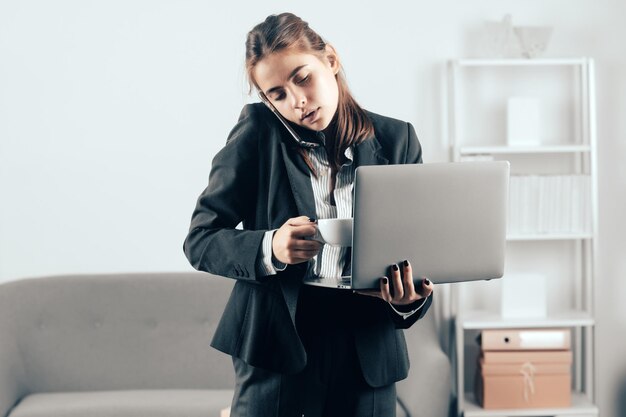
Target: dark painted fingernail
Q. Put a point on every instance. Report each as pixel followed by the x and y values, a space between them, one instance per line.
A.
pixel 395 267
pixel 406 262
pixel 426 281
pixel 384 280
pixel 311 219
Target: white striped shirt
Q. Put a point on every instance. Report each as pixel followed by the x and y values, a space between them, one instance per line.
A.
pixel 330 262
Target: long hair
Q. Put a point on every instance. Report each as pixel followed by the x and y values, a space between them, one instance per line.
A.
pixel 350 125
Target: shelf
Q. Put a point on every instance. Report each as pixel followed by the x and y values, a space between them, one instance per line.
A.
pixel 572 242
pixel 486 320
pixel 547 236
pixel 580 406
pixel 520 62
pixel 509 150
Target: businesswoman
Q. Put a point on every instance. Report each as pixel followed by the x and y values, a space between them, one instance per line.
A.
pixel 299 349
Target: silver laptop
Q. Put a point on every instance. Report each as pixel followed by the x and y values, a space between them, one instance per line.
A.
pixel 447 219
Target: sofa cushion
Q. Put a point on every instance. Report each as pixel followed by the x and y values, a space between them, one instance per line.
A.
pixel 127 403
pixel 118 331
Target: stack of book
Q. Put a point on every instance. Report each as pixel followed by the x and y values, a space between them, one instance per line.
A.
pixel 524 368
pixel 541 204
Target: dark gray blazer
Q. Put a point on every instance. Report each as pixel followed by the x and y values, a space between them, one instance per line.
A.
pixel 258 178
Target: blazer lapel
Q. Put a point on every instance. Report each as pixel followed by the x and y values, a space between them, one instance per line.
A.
pixel 300 180
pixel 369 152
pixel 302 190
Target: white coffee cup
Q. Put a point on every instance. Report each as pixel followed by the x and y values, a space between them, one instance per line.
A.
pixel 335 232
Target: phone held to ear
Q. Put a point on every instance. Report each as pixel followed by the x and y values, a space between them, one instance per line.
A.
pixel 284 122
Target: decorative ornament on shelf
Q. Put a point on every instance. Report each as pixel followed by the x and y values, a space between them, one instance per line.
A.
pixel 533 40
pixel 503 40
pixel 499 39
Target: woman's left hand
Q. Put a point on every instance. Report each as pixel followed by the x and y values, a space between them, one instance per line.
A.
pixel 401 290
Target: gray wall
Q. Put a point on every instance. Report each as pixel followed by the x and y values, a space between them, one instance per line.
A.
pixel 110 113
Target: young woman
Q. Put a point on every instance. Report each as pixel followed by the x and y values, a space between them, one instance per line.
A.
pixel 299 349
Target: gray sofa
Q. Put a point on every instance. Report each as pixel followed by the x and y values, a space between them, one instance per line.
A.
pixel 130 345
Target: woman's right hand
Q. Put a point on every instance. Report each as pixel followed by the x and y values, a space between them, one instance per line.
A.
pixel 289 244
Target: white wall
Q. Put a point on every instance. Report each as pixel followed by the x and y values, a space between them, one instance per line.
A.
pixel 110 113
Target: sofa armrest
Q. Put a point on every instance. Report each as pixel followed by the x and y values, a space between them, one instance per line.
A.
pixel 11 367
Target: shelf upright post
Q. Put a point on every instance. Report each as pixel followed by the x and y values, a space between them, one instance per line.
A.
pixel 590 293
pixel 454 98
pixel 581 276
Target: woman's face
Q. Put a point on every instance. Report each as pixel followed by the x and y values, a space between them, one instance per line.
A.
pixel 301 86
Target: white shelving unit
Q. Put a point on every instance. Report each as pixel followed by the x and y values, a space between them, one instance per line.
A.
pixel 476 116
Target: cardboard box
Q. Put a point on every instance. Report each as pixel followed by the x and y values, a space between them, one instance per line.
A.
pixel 521 356
pixel 543 382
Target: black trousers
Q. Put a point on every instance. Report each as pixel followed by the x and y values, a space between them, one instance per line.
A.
pixel 331 384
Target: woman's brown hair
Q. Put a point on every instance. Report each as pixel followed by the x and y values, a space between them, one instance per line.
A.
pixel 286 30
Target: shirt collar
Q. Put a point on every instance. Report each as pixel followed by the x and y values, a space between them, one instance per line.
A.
pixel 349 153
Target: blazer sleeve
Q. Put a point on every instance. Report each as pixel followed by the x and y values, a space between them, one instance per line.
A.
pixel 402 323
pixel 213 244
pixel 413 147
